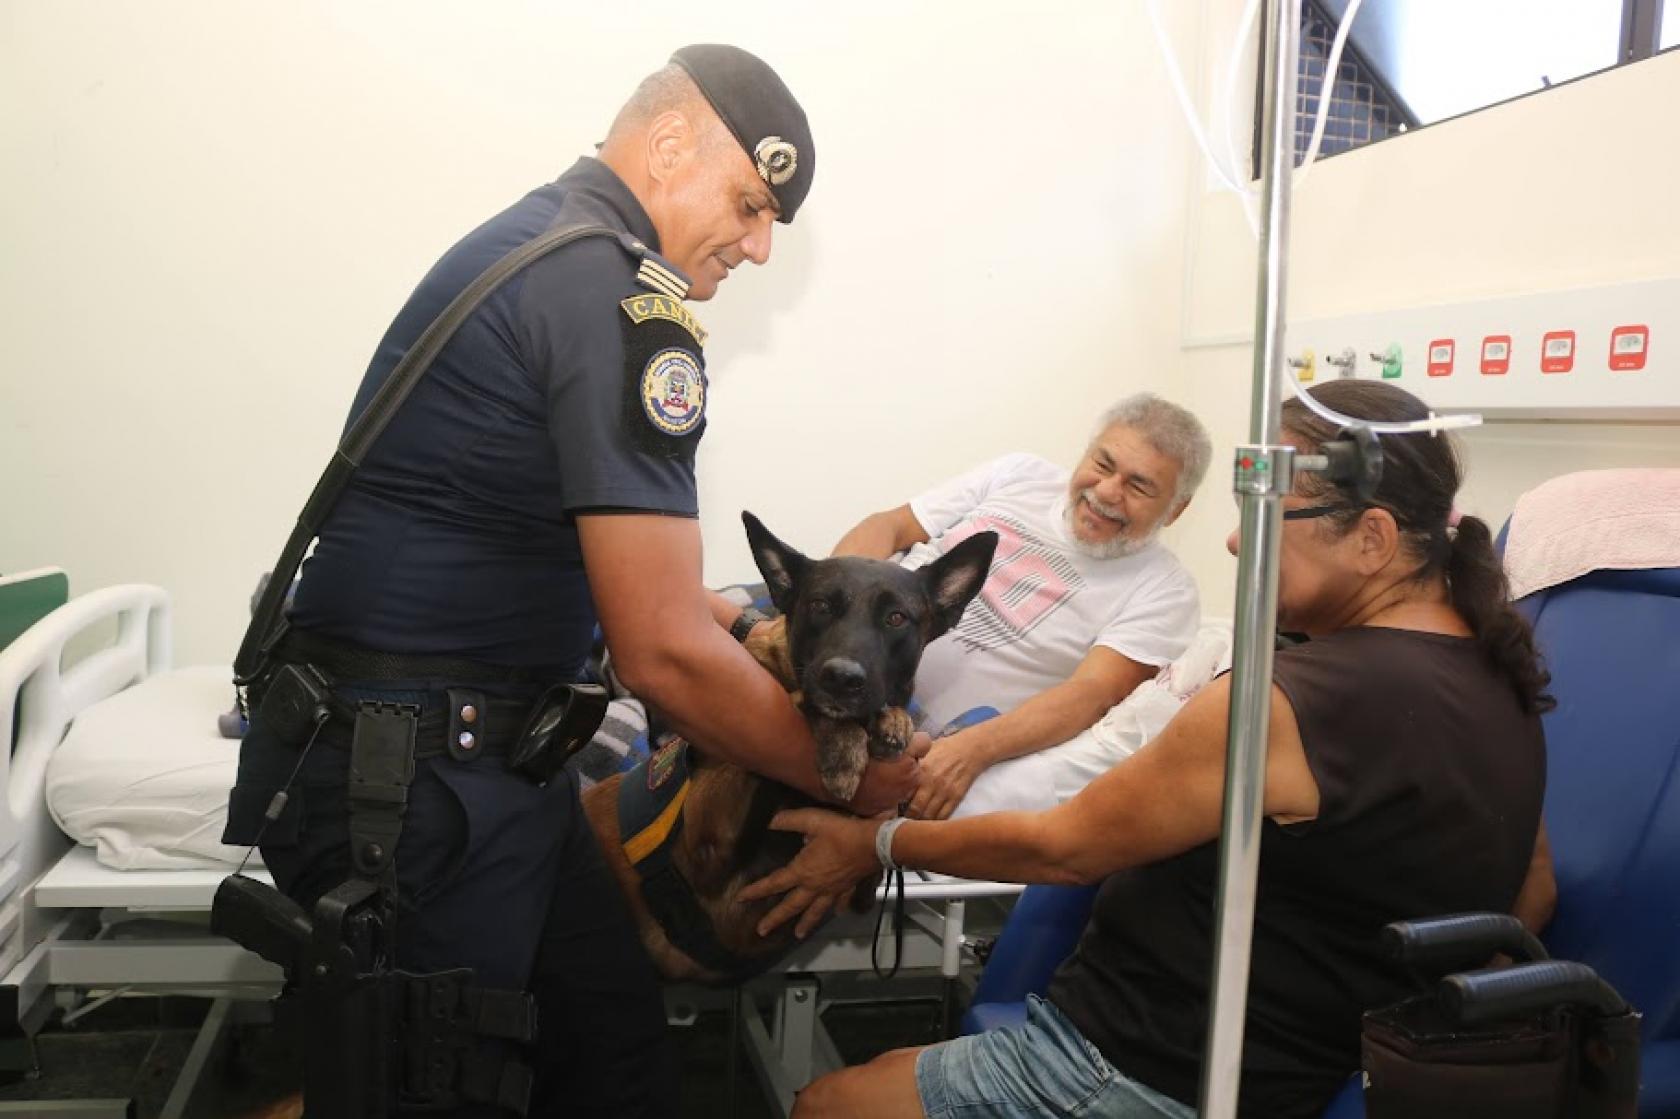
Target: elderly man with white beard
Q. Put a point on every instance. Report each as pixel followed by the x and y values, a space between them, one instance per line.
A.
pixel 1082 603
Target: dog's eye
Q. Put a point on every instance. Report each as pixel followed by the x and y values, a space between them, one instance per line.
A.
pixel 820 607
pixel 897 618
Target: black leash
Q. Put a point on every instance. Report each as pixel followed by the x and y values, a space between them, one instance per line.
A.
pixel 894 878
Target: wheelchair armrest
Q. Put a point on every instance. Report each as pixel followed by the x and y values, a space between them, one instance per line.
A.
pixel 1481 996
pixel 1466 940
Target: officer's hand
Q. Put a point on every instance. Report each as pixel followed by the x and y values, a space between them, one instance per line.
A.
pixel 888 784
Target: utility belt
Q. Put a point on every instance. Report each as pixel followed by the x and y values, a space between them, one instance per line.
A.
pixel 379 1037
pixel 295 697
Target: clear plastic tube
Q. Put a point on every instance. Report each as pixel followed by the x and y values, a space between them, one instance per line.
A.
pixel 1184 101
pixel 1228 96
pixel 1431 423
pixel 1232 178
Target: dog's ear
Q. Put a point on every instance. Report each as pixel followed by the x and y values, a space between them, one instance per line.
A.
pixel 956 577
pixel 780 565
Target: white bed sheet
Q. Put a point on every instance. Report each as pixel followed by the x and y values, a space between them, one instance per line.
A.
pixel 143 776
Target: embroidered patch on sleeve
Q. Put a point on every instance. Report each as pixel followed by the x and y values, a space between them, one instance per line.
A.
pixel 664 376
pixel 640 308
pixel 673 391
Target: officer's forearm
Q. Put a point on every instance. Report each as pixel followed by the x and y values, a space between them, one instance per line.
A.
pixel 721 700
pixel 724 609
pixel 644 574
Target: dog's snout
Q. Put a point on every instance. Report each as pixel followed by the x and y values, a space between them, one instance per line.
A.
pixel 843 676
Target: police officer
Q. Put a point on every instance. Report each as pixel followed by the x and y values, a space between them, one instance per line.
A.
pixel 540 478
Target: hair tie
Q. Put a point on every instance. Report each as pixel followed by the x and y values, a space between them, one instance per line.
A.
pixel 1454 517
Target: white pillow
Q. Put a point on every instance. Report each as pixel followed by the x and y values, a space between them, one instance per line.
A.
pixel 143 776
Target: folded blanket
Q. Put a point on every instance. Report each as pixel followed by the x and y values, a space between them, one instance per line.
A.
pixel 1594 520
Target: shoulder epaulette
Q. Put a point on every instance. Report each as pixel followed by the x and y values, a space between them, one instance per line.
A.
pixel 661 277
pixel 654 272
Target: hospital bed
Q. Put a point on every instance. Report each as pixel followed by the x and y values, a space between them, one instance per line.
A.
pixel 122 751
pixel 70 925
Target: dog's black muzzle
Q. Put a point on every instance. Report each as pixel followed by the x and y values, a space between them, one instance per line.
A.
pixel 841 688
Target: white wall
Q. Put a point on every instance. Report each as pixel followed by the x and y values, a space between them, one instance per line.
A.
pixel 211 208
pixel 1571 187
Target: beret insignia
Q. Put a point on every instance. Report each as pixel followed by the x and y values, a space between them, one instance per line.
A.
pixel 777 160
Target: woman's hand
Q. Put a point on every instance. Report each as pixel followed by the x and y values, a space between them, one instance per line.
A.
pixel 839 852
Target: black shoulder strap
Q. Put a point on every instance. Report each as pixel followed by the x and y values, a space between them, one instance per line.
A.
pixel 267 626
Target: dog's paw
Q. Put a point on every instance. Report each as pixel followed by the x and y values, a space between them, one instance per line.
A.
pixel 842 754
pixel 890 732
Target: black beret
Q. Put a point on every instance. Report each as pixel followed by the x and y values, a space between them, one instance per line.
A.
pixel 758 108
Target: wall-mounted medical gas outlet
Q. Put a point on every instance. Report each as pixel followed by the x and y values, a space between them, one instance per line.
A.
pixel 1346 363
pixel 1602 353
pixel 1557 351
pixel 1441 357
pixel 1391 361
pixel 1305 366
pixel 1496 354
pixel 1627 347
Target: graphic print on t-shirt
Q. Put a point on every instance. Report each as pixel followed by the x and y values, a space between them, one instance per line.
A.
pixel 1029 581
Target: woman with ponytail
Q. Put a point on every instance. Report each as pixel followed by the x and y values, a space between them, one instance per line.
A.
pixel 1404 776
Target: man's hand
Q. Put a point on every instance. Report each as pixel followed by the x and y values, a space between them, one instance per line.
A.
pixel 947 772
pixel 888 784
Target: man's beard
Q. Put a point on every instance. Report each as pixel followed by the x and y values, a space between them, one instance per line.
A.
pixel 1115 546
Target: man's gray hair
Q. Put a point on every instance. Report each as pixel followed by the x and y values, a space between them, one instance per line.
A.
pixel 1171 430
pixel 665 89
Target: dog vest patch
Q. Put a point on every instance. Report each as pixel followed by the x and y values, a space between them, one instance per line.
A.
pixel 650 819
pixel 650 800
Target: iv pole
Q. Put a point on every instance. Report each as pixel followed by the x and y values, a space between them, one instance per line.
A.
pixel 1264 473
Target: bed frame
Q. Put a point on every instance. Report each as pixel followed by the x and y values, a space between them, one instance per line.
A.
pixel 71 928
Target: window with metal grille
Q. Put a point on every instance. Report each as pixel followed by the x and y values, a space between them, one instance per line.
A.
pixel 1410 63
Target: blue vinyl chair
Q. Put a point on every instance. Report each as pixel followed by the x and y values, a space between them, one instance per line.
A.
pixel 1041 932
pixel 1612 642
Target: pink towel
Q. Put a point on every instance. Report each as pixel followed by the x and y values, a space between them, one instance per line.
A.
pixel 1595 520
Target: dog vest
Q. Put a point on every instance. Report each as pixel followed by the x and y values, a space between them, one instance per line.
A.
pixel 650 819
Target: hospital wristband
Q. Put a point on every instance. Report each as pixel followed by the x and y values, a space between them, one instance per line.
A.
pixel 884 838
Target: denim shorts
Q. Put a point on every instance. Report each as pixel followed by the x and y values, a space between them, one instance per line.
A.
pixel 1045 1067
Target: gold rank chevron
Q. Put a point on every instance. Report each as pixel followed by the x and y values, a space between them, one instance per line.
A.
pixel 662 279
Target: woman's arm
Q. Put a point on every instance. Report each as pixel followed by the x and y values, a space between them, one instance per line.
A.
pixel 1160 802
pixel 1537 900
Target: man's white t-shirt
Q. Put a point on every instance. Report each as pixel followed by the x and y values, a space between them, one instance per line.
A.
pixel 1045 604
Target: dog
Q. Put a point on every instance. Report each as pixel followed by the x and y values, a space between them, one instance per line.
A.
pixel 846 646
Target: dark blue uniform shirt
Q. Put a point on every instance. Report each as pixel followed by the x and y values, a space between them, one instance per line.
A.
pixel 456 537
